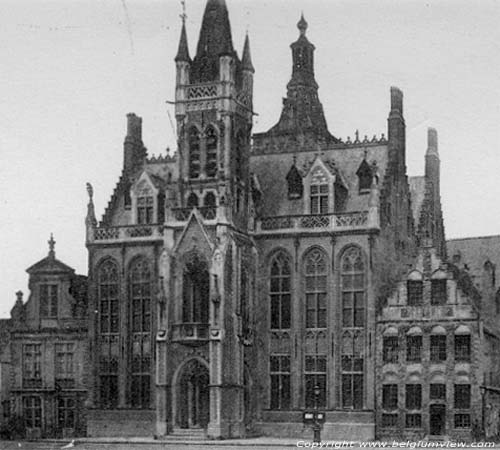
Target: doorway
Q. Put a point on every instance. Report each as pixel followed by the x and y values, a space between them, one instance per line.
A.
pixel 437 418
pixel 193 396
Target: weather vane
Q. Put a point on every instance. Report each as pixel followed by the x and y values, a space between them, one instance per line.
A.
pixel 183 16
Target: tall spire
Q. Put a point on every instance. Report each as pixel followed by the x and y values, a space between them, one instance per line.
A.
pixel 215 40
pixel 183 51
pixel 246 59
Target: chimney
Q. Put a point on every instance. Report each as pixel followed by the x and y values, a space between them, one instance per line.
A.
pixel 432 140
pixel 397 133
pixel 396 100
pixel 133 148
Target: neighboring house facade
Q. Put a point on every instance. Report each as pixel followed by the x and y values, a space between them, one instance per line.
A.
pixel 479 257
pixel 229 282
pixel 48 348
pixel 435 349
pixel 5 409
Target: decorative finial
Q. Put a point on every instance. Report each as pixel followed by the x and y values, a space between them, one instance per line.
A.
pixel 90 191
pixel 183 16
pixel 357 136
pixel 52 244
pixel 19 296
pixel 302 25
pixel 294 159
pixel 365 153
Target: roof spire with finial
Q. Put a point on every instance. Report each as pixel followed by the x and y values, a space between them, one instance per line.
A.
pixel 183 51
pixel 52 244
pixel 302 25
pixel 246 58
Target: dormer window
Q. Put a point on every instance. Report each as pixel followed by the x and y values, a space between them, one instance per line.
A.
pixel 365 177
pixel 319 192
pixel 48 301
pixel 295 185
pixel 145 210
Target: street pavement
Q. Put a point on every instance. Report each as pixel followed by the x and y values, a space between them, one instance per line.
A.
pixel 41 445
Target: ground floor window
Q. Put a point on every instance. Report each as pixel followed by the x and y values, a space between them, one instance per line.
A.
pixel 109 391
pixel 390 396
pixel 280 381
pixel 66 412
pixel 389 420
pixel 32 411
pixel 315 376
pixel 413 421
pixel 6 409
pixel 462 420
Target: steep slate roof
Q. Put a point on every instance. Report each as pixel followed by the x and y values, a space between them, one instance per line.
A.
pixel 272 170
pixel 475 251
pixel 417 192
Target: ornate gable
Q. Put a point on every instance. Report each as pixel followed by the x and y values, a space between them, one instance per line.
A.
pixel 194 237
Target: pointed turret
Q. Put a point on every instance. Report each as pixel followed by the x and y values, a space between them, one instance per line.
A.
pixel 302 111
pixel 432 159
pixel 246 59
pixel 215 41
pixel 183 50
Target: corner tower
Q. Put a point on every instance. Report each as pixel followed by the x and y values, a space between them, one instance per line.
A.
pixel 214 95
pixel 208 260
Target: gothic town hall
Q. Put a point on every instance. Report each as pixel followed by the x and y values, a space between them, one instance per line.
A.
pixel 250 277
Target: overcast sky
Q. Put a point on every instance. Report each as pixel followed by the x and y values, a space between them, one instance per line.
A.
pixel 70 70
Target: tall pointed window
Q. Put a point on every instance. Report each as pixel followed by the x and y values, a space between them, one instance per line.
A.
pixel 195 291
pixel 280 294
pixel 140 279
pixel 319 192
pixel 108 295
pixel 316 280
pixel 194 152
pixel 353 288
pixel 211 145
pixel 353 321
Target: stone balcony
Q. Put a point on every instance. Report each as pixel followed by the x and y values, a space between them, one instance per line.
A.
pixel 126 233
pixel 314 223
pixel 194 333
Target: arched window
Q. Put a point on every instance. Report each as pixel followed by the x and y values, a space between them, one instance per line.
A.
pixel 353 288
pixel 315 272
pixel 209 200
pixel 319 192
pixel 140 279
pixel 280 296
pixel 108 297
pixel 211 143
pixel 194 152
pixel 462 344
pixel 195 291
pixel 353 320
pixel 192 201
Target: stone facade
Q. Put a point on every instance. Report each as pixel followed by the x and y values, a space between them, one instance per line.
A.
pixel 230 280
pixel 45 375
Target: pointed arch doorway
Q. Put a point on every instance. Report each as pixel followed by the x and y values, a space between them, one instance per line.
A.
pixel 193 399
